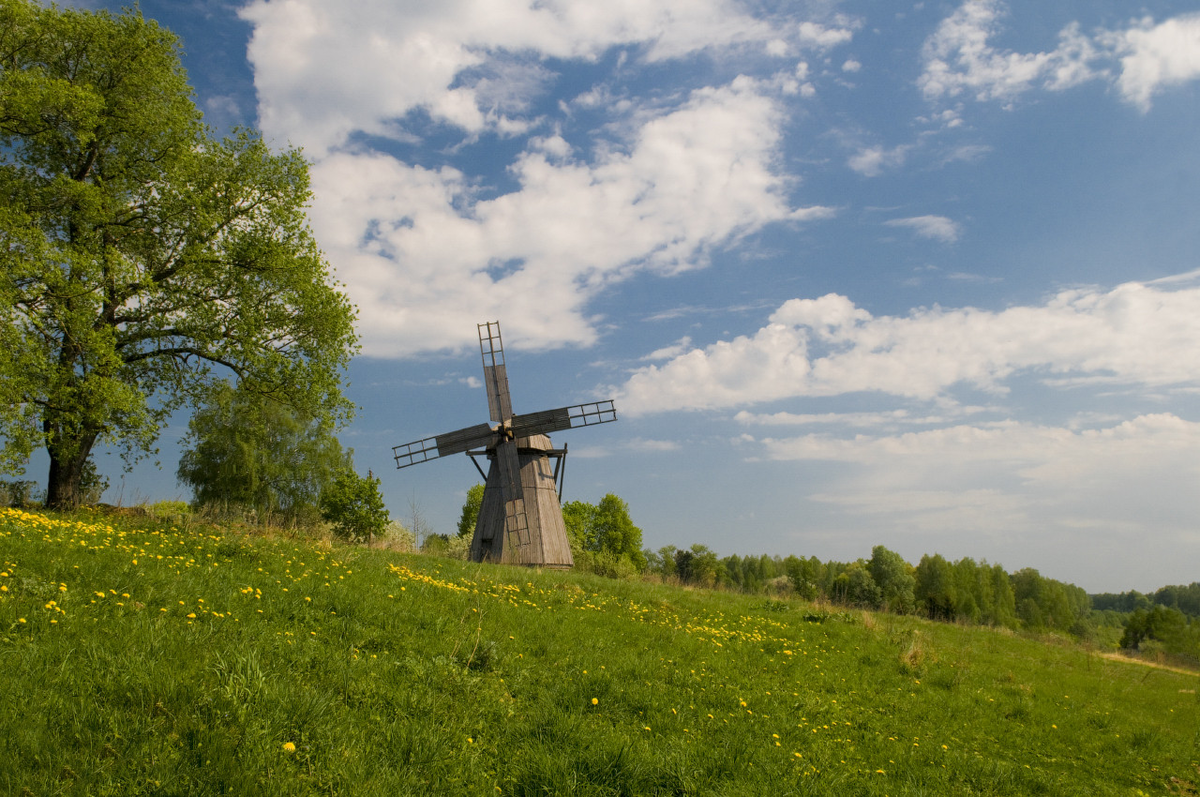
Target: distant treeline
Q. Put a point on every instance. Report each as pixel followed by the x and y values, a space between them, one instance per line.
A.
pixel 966 591
pixel 1185 599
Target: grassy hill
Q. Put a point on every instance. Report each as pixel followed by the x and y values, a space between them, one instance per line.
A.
pixel 138 657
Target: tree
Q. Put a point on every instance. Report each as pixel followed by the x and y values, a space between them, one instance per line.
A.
pixel 248 450
pixel 661 561
pixel 1161 623
pixel 935 589
pixel 604 530
pixel 704 566
pixel 855 586
pixel 354 506
pixel 683 565
pixel 470 511
pixel 139 256
pixel 805 575
pixel 895 579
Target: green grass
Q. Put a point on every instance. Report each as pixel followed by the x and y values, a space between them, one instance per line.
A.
pixel 139 658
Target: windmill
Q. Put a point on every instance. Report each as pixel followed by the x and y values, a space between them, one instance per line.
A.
pixel 520 520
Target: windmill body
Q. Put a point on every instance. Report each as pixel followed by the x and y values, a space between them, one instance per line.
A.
pixel 520 519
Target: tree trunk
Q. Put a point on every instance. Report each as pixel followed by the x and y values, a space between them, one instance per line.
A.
pixel 67 460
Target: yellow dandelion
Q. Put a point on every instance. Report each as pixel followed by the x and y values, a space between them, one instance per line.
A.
pixel 595 701
pixel 289 747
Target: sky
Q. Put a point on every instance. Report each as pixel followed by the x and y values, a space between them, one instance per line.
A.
pixel 921 275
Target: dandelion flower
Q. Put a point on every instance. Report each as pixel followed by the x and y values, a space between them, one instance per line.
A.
pixel 289 747
pixel 595 701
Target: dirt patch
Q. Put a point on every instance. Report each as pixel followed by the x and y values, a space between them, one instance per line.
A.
pixel 1146 663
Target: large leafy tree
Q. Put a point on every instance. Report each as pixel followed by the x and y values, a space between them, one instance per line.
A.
pixel 141 258
pixel 247 450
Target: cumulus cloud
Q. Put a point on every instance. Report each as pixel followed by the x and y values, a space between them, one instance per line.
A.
pixel 959 57
pixel 422 255
pixel 327 68
pixel 1134 334
pixel 1157 56
pixel 816 35
pixel 872 161
pixel 425 249
pixel 884 418
pixel 938 228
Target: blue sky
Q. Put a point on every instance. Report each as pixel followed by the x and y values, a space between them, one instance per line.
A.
pixel 922 275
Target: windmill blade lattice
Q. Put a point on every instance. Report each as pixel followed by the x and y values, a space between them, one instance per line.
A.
pixel 495 374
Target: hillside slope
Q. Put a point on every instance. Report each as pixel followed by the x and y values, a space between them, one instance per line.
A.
pixel 143 658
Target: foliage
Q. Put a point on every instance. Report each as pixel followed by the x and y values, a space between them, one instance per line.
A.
pixel 661 562
pixel 854 586
pixel 246 449
pixel 697 565
pixel 1184 598
pixel 602 536
pixel 935 589
pixel 399 538
pixel 895 579
pixel 1043 603
pixel 470 511
pixel 262 666
pixel 1166 625
pixel 804 575
pixel 354 505
pixel 17 493
pixel 138 254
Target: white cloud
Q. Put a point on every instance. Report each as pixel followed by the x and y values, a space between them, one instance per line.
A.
pixel 939 228
pixel 872 161
pixel 813 34
pixel 959 57
pixel 667 352
pixel 648 446
pixel 886 418
pixel 424 250
pixel 1134 334
pixel 422 256
pixel 326 68
pixel 1157 56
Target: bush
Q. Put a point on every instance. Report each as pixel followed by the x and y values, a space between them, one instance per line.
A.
pixel 355 507
pixel 18 493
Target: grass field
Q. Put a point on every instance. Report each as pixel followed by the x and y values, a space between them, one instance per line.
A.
pixel 142 658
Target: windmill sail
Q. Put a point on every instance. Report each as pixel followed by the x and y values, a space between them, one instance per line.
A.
pixel 574 417
pixel 443 445
pixel 495 375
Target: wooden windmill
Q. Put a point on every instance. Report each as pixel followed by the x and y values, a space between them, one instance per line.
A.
pixel 520 519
